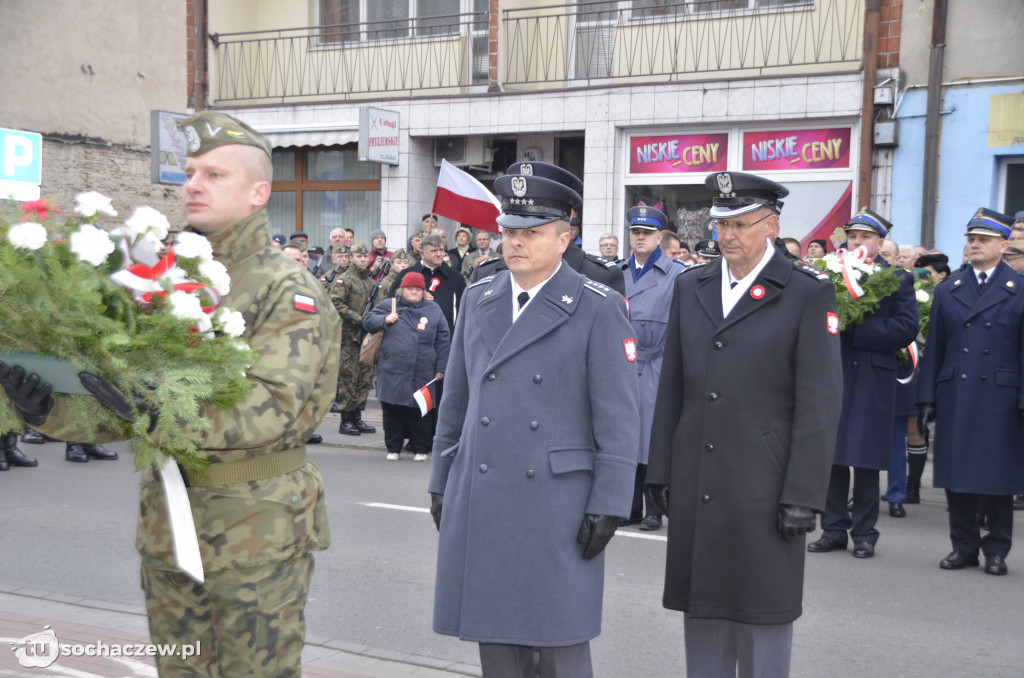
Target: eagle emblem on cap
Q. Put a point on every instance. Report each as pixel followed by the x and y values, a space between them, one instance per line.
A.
pixel 193 138
pixel 725 183
pixel 518 186
pixel 980 212
pixel 643 211
pixel 526 169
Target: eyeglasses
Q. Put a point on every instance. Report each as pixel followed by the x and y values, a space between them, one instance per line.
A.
pixel 720 226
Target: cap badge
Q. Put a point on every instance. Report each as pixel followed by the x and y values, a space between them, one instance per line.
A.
pixel 979 213
pixel 526 169
pixel 566 298
pixel 643 211
pixel 192 136
pixel 725 183
pixel 518 186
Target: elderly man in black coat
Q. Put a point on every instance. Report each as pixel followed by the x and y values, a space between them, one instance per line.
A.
pixel 744 427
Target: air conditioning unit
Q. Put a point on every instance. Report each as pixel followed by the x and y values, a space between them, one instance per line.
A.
pixel 463 151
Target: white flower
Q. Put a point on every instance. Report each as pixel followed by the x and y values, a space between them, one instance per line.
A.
pixel 185 306
pixel 175 275
pixel 193 246
pixel 27 236
pixel 91 202
pixel 922 296
pixel 146 220
pixel 230 322
pixel 218 276
pixel 91 244
pixel 833 264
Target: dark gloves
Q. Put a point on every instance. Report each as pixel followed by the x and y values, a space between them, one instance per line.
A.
pixel 795 521
pixel 30 398
pixel 925 414
pixel 659 495
pixel 115 400
pixel 436 501
pixel 595 533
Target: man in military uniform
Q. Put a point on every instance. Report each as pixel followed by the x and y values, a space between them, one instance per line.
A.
pixel 349 294
pixel 649 276
pixel 970 385
pixel 595 268
pixel 535 450
pixel 259 506
pixel 399 262
pixel 741 447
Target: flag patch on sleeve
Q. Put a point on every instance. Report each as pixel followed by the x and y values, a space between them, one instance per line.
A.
pixel 304 303
pixel 630 347
pixel 832 323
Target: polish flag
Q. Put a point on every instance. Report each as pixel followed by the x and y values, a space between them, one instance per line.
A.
pixel 425 398
pixel 461 197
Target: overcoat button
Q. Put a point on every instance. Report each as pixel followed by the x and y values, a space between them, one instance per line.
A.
pixel 709 447
pixel 483 468
pixel 984 378
pixel 537 378
pixel 988 326
pixel 985 352
pixel 712 396
pixel 706 499
pixel 534 425
pixel 965 349
pixel 530 473
pixel 492 376
pixel 967 324
pixel 854 363
pixel 962 377
pixel 485 421
pixel 718 345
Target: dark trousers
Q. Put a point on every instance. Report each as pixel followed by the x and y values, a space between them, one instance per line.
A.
pixel 964 530
pixel 520 661
pixel 896 493
pixel 642 494
pixel 860 522
pixel 401 421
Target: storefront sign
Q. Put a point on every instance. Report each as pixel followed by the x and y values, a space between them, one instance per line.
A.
pixel 168 148
pixel 796 149
pixel 378 135
pixel 677 154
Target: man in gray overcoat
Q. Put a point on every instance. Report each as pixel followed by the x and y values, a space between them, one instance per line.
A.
pixel 744 429
pixel 535 450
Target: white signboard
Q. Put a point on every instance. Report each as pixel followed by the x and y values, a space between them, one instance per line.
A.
pixel 378 135
pixel 168 148
pixel 21 164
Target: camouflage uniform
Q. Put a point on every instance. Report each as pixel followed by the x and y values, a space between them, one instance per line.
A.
pixel 389 280
pixel 255 537
pixel 349 294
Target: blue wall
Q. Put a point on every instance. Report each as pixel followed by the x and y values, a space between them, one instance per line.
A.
pixel 968 168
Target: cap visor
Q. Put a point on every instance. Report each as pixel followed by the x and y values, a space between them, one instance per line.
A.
pixel 646 227
pixel 521 221
pixel 982 230
pixel 726 212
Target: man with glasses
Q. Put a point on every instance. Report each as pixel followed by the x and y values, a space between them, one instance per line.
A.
pixel 745 423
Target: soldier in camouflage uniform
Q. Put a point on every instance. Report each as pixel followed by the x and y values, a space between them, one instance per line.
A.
pixel 349 294
pixel 399 262
pixel 256 527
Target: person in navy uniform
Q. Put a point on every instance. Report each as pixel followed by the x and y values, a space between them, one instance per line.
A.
pixel 971 386
pixel 596 268
pixel 707 251
pixel 649 276
pixel 744 426
pixel 869 401
pixel 535 450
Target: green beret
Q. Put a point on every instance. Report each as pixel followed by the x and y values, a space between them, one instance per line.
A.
pixel 340 249
pixel 207 130
pixel 360 248
pixel 400 254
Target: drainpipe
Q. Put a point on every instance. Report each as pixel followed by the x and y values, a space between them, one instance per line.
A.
pixel 930 192
pixel 872 20
pixel 492 48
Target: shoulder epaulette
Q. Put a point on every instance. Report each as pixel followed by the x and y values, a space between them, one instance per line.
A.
pixel 480 281
pixel 695 267
pixel 597 287
pixel 487 261
pixel 600 260
pixel 804 267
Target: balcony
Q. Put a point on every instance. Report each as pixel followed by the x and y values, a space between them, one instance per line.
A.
pixel 604 42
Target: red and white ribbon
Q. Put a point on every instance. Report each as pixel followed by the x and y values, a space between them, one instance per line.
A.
pixel 912 350
pixel 850 273
pixel 143 280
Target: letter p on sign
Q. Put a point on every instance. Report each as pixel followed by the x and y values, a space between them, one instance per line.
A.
pixel 21 167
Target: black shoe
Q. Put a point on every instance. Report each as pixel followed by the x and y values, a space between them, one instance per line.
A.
pixel 995 564
pixel 826 544
pixel 347 427
pixel 99 452
pixel 32 437
pixel 315 439
pixel 650 524
pixel 3 462
pixel 13 456
pixel 408 447
pixel 913 491
pixel 75 452
pixel 335 409
pixel 357 420
pixel 626 522
pixel 863 549
pixel 958 560
pixel 1018 503
pixel 896 510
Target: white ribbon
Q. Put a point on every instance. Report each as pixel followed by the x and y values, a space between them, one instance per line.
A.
pixel 183 528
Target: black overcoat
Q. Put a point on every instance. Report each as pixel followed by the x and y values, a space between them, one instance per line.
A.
pixel 746 419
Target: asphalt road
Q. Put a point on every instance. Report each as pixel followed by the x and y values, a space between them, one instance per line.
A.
pixel 69 528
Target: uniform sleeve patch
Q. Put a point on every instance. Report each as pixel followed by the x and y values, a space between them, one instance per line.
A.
pixel 832 323
pixel 630 347
pixel 304 303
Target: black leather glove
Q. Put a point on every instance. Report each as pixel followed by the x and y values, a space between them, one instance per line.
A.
pixel 112 398
pixel 925 414
pixel 595 533
pixel 436 502
pixel 795 521
pixel 30 398
pixel 659 495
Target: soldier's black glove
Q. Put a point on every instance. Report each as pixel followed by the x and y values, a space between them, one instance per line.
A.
pixel 795 521
pixel 436 501
pixel 659 495
pixel 112 398
pixel 595 533
pixel 925 414
pixel 30 398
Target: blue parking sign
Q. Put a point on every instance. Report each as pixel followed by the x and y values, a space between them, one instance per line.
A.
pixel 21 156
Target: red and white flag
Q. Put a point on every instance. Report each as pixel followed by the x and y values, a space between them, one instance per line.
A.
pixel 425 398
pixel 461 197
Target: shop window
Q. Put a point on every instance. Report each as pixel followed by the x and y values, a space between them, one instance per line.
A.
pixel 686 206
pixel 317 190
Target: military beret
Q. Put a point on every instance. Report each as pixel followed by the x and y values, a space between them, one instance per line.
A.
pixel 738 193
pixel 340 249
pixel 279 239
pixel 990 222
pixel 708 248
pixel 1017 246
pixel 207 130
pixel 869 220
pixel 529 200
pixel 546 170
pixel 931 260
pixel 400 254
pixel 360 248
pixel 646 217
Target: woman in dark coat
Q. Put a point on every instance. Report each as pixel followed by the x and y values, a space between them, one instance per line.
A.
pixel 414 352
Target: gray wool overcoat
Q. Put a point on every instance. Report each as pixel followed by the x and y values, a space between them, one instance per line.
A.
pixel 537 428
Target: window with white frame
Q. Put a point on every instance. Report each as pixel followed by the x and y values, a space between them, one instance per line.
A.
pixel 375 20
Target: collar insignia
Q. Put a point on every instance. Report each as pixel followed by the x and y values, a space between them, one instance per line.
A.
pixel 566 298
